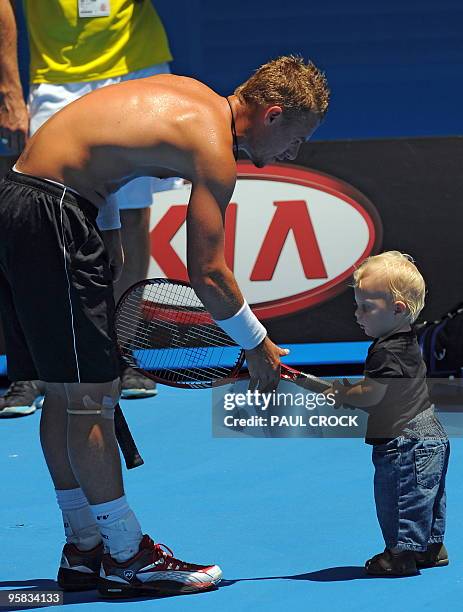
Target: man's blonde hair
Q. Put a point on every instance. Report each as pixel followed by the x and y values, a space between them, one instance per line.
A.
pixel 404 279
pixel 289 82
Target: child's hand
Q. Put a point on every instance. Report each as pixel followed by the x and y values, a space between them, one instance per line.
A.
pixel 338 391
pixel 334 393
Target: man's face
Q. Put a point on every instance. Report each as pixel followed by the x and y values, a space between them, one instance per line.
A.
pixel 277 138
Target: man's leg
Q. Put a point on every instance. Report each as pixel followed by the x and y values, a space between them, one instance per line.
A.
pixel 91 441
pixel 53 437
pixel 95 460
pixel 80 447
pixel 83 551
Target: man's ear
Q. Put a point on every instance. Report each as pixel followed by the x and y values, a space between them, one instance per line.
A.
pixel 273 114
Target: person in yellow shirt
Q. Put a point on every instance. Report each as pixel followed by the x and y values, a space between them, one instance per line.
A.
pixel 77 46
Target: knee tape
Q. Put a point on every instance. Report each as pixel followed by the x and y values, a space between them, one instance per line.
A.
pixel 93 399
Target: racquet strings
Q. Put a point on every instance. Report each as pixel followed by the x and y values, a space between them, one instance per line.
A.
pixel 164 330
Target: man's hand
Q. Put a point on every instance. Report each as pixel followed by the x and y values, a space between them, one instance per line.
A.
pixel 264 366
pixel 14 121
pixel 113 244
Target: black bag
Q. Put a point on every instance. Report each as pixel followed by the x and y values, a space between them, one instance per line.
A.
pixel 441 344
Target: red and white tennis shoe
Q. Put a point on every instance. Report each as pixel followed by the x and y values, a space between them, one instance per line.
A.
pixel 79 569
pixel 154 570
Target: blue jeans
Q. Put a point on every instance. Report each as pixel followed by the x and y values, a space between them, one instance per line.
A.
pixel 409 488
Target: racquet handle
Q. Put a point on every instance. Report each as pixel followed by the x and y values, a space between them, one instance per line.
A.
pixel 301 379
pixel 307 381
pixel 310 382
pixel 125 440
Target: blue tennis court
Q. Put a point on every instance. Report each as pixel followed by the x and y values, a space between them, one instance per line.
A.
pixel 290 521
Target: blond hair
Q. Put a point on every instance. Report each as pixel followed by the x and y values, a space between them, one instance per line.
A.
pixel 290 83
pixel 404 279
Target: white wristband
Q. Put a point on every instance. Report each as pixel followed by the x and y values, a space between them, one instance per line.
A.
pixel 244 328
pixel 108 216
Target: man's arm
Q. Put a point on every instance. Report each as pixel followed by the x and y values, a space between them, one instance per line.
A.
pixel 14 119
pixel 210 276
pixel 215 283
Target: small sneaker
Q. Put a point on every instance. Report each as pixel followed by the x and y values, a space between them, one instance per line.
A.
pixel 79 568
pixel 153 571
pixel 435 556
pixel 389 564
pixel 20 399
pixel 135 385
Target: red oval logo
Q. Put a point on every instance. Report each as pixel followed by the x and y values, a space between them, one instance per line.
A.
pixel 293 236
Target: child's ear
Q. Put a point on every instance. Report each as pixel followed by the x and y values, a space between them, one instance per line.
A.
pixel 400 308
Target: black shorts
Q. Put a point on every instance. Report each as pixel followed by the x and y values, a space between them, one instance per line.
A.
pixel 56 292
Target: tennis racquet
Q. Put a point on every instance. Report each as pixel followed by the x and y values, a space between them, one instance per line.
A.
pixel 164 331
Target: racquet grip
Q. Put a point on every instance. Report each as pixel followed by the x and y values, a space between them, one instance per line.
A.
pixel 318 385
pixel 313 383
pixel 306 381
pixel 125 440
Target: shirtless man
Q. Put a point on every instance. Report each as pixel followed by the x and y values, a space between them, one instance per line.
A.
pixel 57 268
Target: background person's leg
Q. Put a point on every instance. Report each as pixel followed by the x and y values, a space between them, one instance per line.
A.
pixel 6 163
pixel 136 243
pixel 135 232
pixel 19 399
pixel 21 396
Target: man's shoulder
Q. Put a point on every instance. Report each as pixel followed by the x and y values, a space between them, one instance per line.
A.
pixel 184 89
pixel 195 119
pixel 212 141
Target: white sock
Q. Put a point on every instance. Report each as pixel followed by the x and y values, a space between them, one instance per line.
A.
pixel 80 527
pixel 119 528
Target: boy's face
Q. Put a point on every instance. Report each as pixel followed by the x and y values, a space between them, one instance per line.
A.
pixel 377 313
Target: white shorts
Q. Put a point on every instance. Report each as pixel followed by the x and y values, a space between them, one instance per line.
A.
pixel 45 99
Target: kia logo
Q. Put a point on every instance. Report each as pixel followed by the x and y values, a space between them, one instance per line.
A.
pixel 293 236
